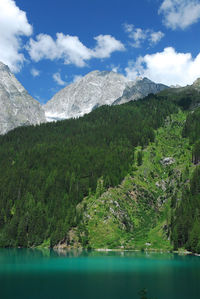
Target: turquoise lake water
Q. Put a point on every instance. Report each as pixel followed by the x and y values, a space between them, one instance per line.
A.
pixel 48 274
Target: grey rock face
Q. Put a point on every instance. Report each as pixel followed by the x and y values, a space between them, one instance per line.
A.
pixel 93 90
pixel 196 84
pixel 139 89
pixel 167 161
pixel 17 107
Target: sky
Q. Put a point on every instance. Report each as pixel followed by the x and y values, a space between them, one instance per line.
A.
pixel 49 44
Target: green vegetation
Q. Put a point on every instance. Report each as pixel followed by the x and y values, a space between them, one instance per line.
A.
pixel 120 177
pixel 45 171
pixel 186 218
pixel 137 213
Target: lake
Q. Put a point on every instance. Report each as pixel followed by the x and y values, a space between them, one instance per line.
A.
pixel 35 274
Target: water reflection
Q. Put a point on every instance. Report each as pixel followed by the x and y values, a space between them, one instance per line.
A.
pixel 37 253
pixel 44 273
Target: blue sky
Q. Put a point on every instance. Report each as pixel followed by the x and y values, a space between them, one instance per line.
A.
pixel 49 44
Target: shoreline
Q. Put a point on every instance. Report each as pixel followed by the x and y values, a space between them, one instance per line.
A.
pixel 147 250
pixel 152 250
pixel 185 252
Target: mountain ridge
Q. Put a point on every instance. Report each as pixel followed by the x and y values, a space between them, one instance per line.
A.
pixel 81 97
pixel 140 88
pixel 97 89
pixel 119 177
pixel 17 107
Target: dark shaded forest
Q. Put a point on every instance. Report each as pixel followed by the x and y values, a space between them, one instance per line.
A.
pixel 186 222
pixel 45 171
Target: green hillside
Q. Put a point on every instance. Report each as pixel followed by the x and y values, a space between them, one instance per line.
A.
pixel 137 214
pixel 115 178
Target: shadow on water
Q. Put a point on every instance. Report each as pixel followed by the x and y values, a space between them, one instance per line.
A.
pixel 143 294
pixel 61 274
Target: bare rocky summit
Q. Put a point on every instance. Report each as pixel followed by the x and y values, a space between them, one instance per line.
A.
pixel 17 107
pixel 138 89
pixel 97 89
pixel 93 90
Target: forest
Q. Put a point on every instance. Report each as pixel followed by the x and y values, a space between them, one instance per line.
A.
pixel 46 170
pixel 186 222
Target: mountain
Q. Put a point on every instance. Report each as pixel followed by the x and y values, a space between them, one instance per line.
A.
pixel 94 90
pixel 135 214
pixel 188 97
pixel 55 166
pixel 123 176
pixel 196 84
pixel 17 107
pixel 139 89
pixel 119 177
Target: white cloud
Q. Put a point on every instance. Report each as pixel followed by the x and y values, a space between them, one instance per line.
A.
pixel 65 47
pixel 139 35
pixel 13 25
pixel 71 49
pixel 180 13
pixel 44 47
pixel 168 67
pixel 57 78
pixel 155 37
pixel 115 69
pixel 106 45
pixel 128 27
pixel 77 78
pixel 35 72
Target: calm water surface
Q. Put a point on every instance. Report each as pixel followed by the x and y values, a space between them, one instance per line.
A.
pixel 47 274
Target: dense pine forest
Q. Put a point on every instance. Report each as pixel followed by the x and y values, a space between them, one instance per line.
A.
pixel 46 171
pixel 186 222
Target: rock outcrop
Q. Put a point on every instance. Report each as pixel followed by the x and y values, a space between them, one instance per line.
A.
pixel 93 90
pixel 139 89
pixel 17 107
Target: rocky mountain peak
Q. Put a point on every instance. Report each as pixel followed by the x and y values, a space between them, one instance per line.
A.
pixel 196 84
pixel 138 89
pixel 93 90
pixel 17 107
pixel 4 67
pixel 97 89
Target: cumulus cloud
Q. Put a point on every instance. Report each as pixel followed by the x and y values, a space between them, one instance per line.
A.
pixel 106 45
pixel 13 25
pixel 35 72
pixel 155 37
pixel 180 13
pixel 136 34
pixel 168 67
pixel 139 35
pixel 57 78
pixel 71 49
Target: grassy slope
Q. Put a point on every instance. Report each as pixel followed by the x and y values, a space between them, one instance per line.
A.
pixel 136 214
